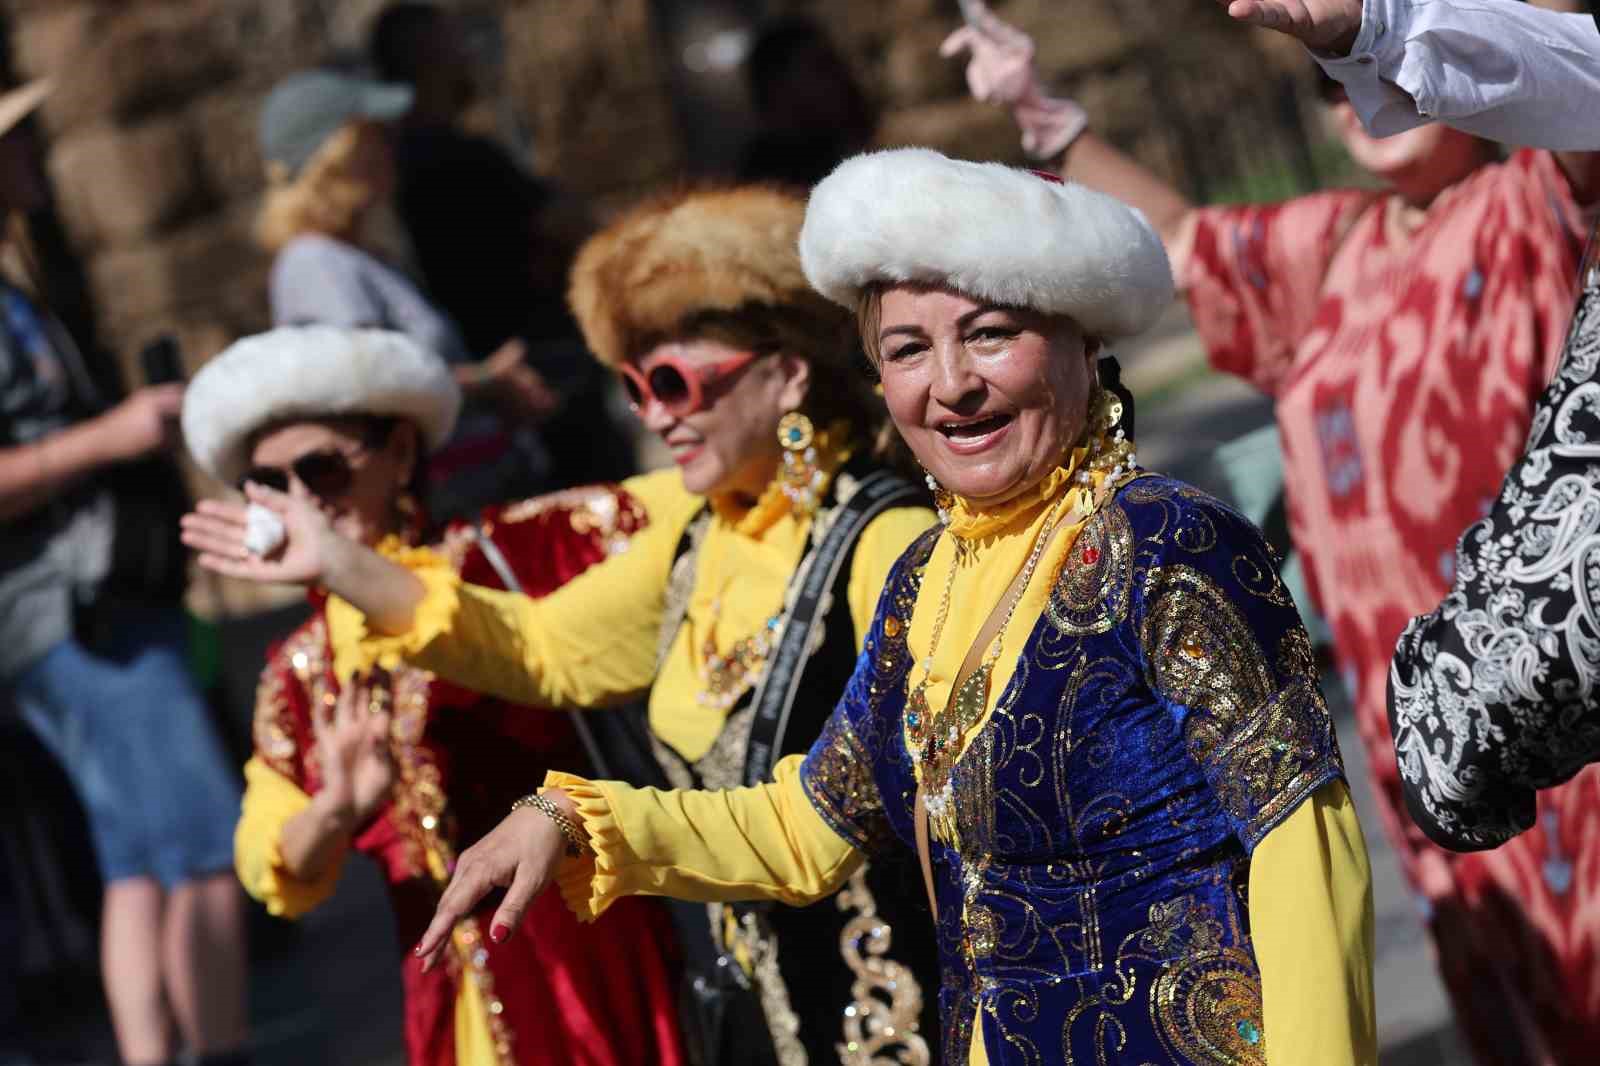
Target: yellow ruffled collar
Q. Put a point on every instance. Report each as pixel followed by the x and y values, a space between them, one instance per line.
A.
pixel 969 522
pixel 833 449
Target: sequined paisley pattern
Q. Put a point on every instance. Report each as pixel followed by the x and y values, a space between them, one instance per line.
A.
pixel 1091 592
pixel 1492 695
pixel 1208 1009
pixel 837 776
pixel 1162 718
pixel 1259 734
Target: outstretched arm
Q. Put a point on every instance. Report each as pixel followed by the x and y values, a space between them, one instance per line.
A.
pixel 1000 70
pixel 1517 73
pixel 765 842
pixel 310 554
pixel 32 474
pixel 1491 695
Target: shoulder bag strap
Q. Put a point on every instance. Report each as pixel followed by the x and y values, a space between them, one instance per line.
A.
pixel 775 695
pixel 508 578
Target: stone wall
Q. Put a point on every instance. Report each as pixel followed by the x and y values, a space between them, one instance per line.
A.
pixel 152 122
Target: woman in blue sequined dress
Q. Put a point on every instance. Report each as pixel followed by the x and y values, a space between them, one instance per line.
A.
pixel 1086 703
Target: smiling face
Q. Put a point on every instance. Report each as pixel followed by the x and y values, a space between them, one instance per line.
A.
pixel 730 445
pixel 989 398
pixel 380 470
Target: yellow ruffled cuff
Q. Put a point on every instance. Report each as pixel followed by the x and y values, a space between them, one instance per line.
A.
pixel 271 800
pixel 356 649
pixel 589 883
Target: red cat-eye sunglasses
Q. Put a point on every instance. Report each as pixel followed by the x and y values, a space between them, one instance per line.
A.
pixel 678 385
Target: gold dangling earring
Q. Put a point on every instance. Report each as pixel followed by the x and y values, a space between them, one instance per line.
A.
pixel 802 478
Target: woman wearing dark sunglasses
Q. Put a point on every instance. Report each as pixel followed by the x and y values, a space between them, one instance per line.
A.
pixel 748 596
pixel 397 767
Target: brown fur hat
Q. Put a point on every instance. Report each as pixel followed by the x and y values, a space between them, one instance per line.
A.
pixel 689 252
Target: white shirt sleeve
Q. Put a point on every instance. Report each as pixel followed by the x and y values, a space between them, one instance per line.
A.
pixel 1499 69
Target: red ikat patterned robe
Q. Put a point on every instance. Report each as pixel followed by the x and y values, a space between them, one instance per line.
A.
pixel 1405 369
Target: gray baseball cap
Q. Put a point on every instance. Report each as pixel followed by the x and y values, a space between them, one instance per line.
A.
pixel 305 109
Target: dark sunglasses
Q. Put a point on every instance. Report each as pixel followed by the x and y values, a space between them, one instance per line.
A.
pixel 678 385
pixel 325 474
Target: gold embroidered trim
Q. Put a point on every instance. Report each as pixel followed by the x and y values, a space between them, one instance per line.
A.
pixel 1208 1008
pixel 473 962
pixel 594 509
pixel 881 1023
pixel 1264 740
pixel 680 587
pixel 1094 583
pixel 750 938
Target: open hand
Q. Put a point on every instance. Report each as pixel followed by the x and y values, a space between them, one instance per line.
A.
pixel 520 855
pixel 352 741
pixel 1001 71
pixel 1325 25
pixel 1001 68
pixel 216 529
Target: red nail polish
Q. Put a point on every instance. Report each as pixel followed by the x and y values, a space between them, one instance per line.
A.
pixel 498 933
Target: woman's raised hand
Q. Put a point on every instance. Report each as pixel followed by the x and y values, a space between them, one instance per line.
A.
pixel 217 528
pixel 352 739
pixel 1326 25
pixel 1001 71
pixel 520 855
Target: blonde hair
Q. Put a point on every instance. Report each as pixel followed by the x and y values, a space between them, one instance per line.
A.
pixel 325 197
pixel 869 320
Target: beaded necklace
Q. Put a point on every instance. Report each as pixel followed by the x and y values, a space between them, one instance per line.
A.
pixel 725 677
pixel 936 738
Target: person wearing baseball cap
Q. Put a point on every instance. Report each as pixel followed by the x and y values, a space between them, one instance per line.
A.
pixel 331 184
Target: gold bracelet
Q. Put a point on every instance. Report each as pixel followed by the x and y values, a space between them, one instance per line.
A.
pixel 577 839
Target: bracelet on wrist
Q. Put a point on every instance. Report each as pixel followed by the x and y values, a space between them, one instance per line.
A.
pixel 577 839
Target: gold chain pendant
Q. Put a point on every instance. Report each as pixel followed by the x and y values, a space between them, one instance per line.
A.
pixel 725 678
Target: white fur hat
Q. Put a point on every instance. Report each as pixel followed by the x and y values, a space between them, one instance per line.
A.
pixel 312 372
pixel 990 231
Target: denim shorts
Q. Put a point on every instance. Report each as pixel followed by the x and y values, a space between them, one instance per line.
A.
pixel 135 737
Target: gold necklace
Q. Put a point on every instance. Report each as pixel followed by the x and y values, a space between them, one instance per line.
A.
pixel 725 678
pixel 936 738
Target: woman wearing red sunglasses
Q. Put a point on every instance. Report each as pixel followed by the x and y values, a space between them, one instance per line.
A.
pixel 399 767
pixel 747 597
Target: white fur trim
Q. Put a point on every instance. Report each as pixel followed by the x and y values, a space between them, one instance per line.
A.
pixel 989 231
pixel 312 372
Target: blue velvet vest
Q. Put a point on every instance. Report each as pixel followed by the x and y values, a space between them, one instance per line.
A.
pixel 1164 717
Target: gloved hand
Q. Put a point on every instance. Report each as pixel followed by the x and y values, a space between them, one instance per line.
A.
pixel 1001 71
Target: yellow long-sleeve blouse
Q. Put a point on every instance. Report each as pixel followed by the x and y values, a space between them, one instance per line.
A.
pixel 1310 906
pixel 271 801
pixel 596 640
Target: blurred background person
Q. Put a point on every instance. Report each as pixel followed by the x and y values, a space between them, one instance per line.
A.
pixel 492 242
pixel 403 769
pixel 93 647
pixel 811 111
pixel 1489 702
pixel 331 178
pixel 1404 335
